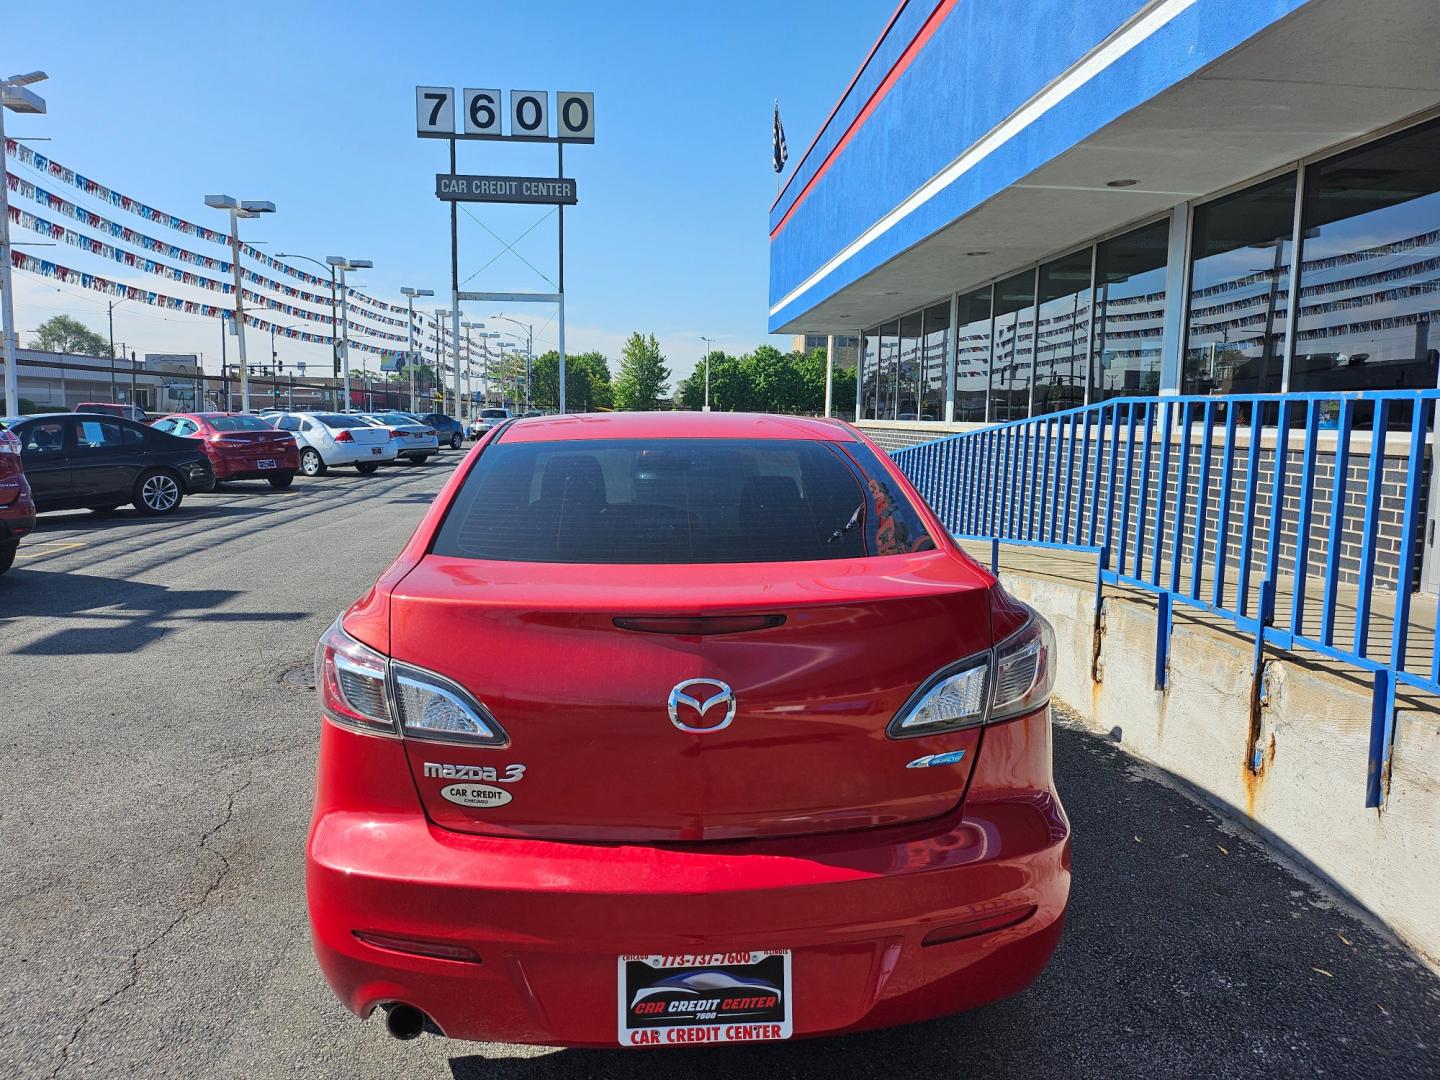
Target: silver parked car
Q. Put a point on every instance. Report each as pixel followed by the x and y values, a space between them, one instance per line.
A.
pixel 415 441
pixel 328 439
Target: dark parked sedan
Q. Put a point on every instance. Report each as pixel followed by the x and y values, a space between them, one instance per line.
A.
pixel 74 461
pixel 448 430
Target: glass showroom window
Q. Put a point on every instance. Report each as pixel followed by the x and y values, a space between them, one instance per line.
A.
pixel 1063 334
pixel 1370 268
pixel 1129 313
pixel 869 369
pixel 1239 280
pixel 885 382
pixel 1010 369
pixel 972 353
pixel 907 382
pixel 932 379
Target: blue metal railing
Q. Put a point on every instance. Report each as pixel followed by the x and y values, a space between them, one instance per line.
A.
pixel 1223 504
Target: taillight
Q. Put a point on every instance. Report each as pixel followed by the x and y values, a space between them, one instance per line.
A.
pixel 396 433
pixel 1009 680
pixel 432 707
pixel 344 436
pixel 1024 670
pixel 351 680
pixel 9 444
pixel 362 689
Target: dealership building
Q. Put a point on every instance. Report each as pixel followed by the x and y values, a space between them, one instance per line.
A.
pixel 1025 207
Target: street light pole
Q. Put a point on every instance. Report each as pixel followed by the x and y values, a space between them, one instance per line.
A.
pixel 448 313
pixel 13 96
pixel 110 307
pixel 469 352
pixel 529 329
pixel 334 318
pixel 708 350
pixel 410 294
pixel 239 208
pixel 342 264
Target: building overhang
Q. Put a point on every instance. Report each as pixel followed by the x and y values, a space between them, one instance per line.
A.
pixel 1328 72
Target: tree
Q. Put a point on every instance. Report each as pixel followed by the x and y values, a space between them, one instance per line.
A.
pixel 728 391
pixel 587 381
pixel 776 383
pixel 62 334
pixel 643 378
pixel 765 380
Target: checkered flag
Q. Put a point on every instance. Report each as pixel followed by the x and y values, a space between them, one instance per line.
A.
pixel 781 152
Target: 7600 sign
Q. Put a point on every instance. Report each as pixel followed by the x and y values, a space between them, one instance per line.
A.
pixel 482 115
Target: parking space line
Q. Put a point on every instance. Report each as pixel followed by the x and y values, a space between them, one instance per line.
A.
pixel 49 547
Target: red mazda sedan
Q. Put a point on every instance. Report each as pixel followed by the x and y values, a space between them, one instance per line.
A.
pixel 669 729
pixel 240 446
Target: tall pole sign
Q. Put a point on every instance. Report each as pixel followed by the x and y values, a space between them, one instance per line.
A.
pixel 483 116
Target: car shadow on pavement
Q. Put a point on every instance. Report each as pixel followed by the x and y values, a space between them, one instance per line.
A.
pixel 1188 951
pixel 132 614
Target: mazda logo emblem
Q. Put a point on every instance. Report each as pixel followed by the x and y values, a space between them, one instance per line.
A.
pixel 701 704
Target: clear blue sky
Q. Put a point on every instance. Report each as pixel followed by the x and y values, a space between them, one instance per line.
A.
pixel 312 106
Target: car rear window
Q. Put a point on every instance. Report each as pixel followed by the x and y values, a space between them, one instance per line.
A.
pixel 492 414
pixel 678 501
pixel 239 423
pixel 337 420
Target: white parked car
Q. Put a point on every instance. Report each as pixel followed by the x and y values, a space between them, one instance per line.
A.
pixel 487 419
pixel 328 439
pixel 414 440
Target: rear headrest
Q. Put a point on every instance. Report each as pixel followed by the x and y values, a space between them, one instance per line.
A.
pixel 769 495
pixel 573 479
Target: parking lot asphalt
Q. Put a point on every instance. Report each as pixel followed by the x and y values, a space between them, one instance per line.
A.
pixel 157 775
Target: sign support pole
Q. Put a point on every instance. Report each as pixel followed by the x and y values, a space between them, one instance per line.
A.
pixel 455 287
pixel 560 172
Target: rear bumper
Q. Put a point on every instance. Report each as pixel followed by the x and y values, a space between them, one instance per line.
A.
pixel 356 454
pixel 550 919
pixel 247 469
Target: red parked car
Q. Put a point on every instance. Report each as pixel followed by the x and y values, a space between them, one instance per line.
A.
pixel 669 729
pixel 240 446
pixel 17 508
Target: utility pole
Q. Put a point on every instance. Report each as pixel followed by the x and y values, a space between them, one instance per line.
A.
pixel 13 96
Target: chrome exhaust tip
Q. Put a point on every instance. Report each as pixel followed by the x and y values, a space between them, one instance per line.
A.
pixel 403 1021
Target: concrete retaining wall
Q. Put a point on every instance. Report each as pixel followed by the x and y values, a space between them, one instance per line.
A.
pixel 1314 736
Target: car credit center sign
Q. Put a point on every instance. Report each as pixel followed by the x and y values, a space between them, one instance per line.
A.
pixel 505 189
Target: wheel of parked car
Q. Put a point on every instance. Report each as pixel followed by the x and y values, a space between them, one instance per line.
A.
pixel 365 468
pixel 456 441
pixel 7 556
pixel 311 463
pixel 420 459
pixel 281 482
pixel 157 492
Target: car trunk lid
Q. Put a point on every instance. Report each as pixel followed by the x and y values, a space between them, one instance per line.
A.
pixel 578 663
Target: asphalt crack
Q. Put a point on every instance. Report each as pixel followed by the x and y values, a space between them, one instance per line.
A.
pixel 134 976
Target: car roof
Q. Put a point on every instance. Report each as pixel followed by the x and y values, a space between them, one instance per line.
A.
pixel 678 425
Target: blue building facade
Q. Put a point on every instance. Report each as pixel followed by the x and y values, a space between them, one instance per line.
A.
pixel 1021 207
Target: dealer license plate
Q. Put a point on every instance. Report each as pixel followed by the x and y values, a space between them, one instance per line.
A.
pixel 268 463
pixel 704 998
